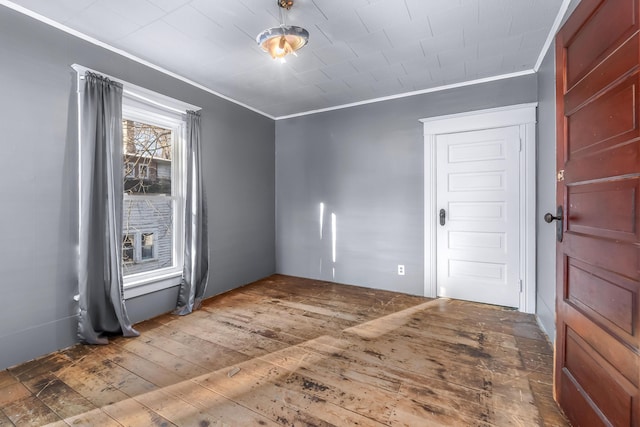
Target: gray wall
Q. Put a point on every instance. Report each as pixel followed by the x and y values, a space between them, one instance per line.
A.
pixel 546 198
pixel 38 219
pixel 366 165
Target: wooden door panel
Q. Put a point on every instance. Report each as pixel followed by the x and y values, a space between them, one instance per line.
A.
pixel 623 157
pixel 581 407
pixel 608 209
pixel 597 371
pixel 592 372
pixel 605 121
pixel 606 254
pixel 615 312
pixel 621 359
pixel 621 63
pixel 592 42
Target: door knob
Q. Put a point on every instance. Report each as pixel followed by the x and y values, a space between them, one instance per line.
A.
pixel 548 218
pixel 559 226
pixel 442 216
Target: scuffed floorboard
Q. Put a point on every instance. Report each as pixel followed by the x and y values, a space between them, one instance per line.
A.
pixel 300 352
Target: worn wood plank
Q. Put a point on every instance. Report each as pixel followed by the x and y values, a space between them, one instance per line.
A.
pixel 412 413
pixel 95 417
pixel 117 408
pixel 343 387
pixel 316 357
pixel 158 356
pixel 301 352
pixel 4 420
pixel 77 352
pixel 94 388
pixel 62 399
pixel 6 379
pixel 12 393
pixel 258 385
pixel 398 356
pixel 455 382
pixel 224 334
pixel 150 372
pixel 174 409
pixel 210 355
pixel 333 304
pixel 284 333
pixel 30 411
pixel 37 367
pixel 283 319
pixel 103 367
pixel 131 413
pixel 223 411
pixel 105 395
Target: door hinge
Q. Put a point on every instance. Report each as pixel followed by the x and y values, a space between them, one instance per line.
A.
pixel 520 286
pixel 561 175
pixel 521 144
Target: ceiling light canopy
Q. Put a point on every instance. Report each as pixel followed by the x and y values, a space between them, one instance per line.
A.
pixel 285 39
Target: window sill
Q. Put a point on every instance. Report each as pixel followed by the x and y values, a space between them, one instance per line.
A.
pixel 144 261
pixel 142 287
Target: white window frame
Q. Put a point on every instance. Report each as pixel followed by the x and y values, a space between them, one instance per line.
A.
pixel 169 276
pixel 148 105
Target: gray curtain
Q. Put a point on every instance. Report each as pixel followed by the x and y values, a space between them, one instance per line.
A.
pixel 196 253
pixel 101 296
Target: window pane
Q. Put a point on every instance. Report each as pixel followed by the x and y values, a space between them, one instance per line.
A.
pixel 147 246
pixel 128 249
pixel 147 158
pixel 129 169
pixel 156 247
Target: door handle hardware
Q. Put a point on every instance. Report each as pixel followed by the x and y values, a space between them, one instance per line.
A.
pixel 548 218
pixel 558 217
pixel 442 216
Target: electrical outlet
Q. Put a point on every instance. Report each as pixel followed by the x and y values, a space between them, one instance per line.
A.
pixel 400 270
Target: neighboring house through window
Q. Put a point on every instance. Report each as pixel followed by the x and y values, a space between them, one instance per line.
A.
pixel 153 200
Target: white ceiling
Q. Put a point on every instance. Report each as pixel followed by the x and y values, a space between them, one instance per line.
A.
pixel 358 50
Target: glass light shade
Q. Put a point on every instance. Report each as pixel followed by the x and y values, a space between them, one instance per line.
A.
pixel 281 41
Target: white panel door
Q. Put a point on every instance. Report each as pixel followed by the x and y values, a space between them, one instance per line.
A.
pixel 478 188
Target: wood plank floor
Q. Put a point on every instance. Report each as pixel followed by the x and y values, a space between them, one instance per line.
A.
pixel 298 352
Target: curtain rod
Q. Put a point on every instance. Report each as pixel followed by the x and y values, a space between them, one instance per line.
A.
pixel 142 94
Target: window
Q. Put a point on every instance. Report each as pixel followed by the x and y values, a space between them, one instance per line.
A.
pixel 154 187
pixel 153 199
pixel 128 248
pixel 146 246
pixel 130 170
pixel 143 171
pixel 138 248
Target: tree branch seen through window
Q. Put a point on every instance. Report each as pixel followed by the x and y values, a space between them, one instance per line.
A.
pixel 147 222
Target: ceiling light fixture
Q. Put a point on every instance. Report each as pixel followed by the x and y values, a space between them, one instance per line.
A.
pixel 285 39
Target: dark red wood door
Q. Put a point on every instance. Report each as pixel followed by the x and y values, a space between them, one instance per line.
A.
pixel 597 371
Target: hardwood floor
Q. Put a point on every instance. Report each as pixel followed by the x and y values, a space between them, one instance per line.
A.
pixel 290 351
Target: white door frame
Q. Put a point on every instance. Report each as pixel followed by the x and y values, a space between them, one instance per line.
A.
pixel 522 115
